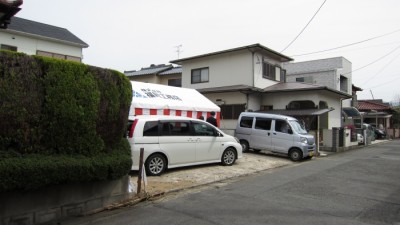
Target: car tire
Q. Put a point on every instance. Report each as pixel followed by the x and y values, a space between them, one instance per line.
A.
pixel 295 155
pixel 245 145
pixel 228 157
pixel 155 165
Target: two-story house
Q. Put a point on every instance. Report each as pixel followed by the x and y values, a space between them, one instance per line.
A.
pixel 253 78
pixel 34 38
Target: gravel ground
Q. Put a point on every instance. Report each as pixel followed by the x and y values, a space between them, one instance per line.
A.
pixel 181 178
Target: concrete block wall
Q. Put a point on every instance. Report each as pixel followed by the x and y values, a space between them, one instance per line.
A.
pixel 57 202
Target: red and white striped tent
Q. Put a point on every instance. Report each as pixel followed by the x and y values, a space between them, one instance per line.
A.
pixel 156 99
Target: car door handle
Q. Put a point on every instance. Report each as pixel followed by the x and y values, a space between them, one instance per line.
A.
pixel 269 133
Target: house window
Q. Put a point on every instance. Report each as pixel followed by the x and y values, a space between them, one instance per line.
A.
pixel 283 75
pixel 58 56
pixel 305 80
pixel 200 75
pixel 266 107
pixel 175 82
pixel 268 71
pixel 9 48
pixel 232 111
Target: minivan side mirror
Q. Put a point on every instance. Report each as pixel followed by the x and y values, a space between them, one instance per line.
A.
pixel 290 131
pixel 217 134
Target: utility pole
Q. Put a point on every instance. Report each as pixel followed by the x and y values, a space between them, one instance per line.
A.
pixel 372 94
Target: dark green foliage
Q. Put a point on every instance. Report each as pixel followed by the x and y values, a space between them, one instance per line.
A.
pixel 61 121
pixel 115 101
pixel 21 99
pixel 70 108
pixel 33 171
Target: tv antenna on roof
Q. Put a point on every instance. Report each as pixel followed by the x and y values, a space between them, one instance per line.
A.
pixel 178 49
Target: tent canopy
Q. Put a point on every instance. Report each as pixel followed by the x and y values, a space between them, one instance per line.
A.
pixel 162 97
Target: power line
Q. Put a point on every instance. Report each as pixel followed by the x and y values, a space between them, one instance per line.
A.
pixel 304 27
pixel 380 71
pixel 347 45
pixel 379 85
pixel 373 61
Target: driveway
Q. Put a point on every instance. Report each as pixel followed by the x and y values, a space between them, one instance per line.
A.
pixel 181 178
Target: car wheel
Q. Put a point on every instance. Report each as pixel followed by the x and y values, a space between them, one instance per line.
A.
pixel 295 155
pixel 155 165
pixel 245 145
pixel 228 157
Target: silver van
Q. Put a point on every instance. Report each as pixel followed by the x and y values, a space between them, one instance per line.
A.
pixel 275 133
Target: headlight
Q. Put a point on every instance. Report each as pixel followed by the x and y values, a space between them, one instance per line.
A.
pixel 304 140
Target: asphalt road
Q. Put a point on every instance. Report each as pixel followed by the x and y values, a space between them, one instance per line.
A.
pixel 356 187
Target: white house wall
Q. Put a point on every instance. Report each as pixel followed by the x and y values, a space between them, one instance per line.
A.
pixel 31 45
pixel 259 81
pixel 224 70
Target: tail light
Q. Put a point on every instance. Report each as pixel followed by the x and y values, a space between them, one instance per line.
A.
pixel 132 128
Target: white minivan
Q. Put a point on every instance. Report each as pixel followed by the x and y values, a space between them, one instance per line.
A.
pixel 175 141
pixel 275 133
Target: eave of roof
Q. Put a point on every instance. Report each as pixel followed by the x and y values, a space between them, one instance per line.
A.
pixel 233 88
pixel 299 112
pixel 252 48
pixel 175 70
pixel 297 86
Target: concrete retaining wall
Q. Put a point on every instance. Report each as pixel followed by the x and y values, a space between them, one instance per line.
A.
pixel 54 203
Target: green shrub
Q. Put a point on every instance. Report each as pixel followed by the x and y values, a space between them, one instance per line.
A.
pixel 32 171
pixel 62 121
pixel 21 98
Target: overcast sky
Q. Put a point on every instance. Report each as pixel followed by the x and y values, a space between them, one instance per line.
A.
pixel 131 34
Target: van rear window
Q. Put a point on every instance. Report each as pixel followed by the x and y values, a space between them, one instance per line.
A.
pixel 246 121
pixel 150 128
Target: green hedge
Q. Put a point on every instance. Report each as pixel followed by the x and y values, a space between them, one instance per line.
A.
pixel 32 171
pixel 57 115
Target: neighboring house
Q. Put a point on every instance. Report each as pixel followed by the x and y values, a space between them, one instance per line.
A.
pixel 157 74
pixel 34 38
pixel 234 78
pixel 253 78
pixel 334 73
pixel 375 112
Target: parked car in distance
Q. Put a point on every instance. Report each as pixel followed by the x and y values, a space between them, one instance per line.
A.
pixel 380 134
pixel 275 133
pixel 360 139
pixel 175 141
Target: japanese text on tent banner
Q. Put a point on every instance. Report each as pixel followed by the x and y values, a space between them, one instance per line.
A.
pixel 152 93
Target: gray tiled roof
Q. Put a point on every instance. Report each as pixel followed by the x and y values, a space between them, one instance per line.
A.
pixel 153 69
pixel 44 30
pixel 175 70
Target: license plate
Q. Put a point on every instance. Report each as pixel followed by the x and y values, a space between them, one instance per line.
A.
pixel 310 153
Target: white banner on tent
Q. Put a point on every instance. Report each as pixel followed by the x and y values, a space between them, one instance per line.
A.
pixel 147 96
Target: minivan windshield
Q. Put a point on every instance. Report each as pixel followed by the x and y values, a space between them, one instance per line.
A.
pixel 297 127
